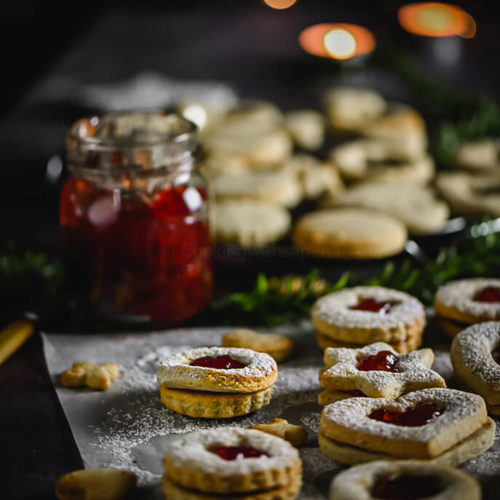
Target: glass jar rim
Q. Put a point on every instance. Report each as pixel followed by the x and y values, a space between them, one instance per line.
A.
pixel 131 129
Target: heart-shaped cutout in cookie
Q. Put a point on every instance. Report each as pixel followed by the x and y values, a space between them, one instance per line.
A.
pixel 462 414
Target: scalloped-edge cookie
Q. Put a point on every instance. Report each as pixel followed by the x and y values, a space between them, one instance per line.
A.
pixel 423 424
pixel 232 461
pixel 217 382
pixel 475 355
pixel 378 371
pixel 461 303
pixel 383 479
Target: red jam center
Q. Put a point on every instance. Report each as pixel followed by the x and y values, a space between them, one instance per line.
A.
pixel 384 361
pixel 234 452
pixel 372 306
pixel 221 362
pixel 407 487
pixel 412 417
pixel 488 294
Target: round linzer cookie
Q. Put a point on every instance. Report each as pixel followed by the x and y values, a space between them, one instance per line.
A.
pixel 444 426
pixel 404 479
pixel 232 461
pixel 482 155
pixel 350 233
pixel 475 354
pixel 415 206
pixel 459 304
pixel 217 382
pixel 248 224
pixel 307 128
pixel 365 314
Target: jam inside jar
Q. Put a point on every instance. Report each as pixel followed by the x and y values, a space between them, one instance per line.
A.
pixel 133 217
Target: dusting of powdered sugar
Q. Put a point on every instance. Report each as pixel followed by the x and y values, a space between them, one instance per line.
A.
pixel 334 308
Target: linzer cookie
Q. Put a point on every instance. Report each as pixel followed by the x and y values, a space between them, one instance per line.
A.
pixel 358 316
pixel 409 479
pixel 217 382
pixel 475 354
pixel 376 371
pixel 459 304
pixel 350 233
pixel 444 426
pixel 246 463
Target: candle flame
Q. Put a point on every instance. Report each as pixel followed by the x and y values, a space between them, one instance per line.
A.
pixel 340 43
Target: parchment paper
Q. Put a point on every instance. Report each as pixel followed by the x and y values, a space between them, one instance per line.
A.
pixel 126 427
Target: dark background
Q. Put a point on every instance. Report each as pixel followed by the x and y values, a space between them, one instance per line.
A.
pixel 243 43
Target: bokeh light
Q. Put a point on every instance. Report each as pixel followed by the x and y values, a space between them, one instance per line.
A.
pixel 280 4
pixel 435 19
pixel 337 40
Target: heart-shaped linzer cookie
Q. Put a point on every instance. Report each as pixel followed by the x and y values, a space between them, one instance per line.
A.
pixel 422 424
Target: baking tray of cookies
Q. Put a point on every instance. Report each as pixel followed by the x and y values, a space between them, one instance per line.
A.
pixel 126 427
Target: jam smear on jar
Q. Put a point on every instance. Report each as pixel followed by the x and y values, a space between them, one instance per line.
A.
pixel 221 362
pixel 488 294
pixel 412 417
pixel 372 305
pixel 407 487
pixel 230 453
pixel 383 361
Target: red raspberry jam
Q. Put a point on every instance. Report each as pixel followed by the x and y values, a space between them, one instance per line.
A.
pixel 220 362
pixel 412 417
pixel 234 452
pixel 372 305
pixel 146 256
pixel 383 361
pixel 488 294
pixel 357 394
pixel 407 487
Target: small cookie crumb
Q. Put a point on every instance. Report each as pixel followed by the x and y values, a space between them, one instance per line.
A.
pixel 280 427
pixel 91 375
pixel 96 484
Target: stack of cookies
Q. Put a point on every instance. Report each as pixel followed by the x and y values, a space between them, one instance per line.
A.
pixel 462 303
pixel 376 371
pixel 444 426
pixel 217 382
pixel 358 316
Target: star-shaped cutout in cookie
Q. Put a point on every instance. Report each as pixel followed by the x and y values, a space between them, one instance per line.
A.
pixel 411 371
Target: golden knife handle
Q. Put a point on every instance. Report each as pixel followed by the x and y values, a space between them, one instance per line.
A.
pixel 13 337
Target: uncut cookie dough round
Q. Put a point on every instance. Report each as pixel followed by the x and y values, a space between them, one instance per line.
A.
pixel 338 316
pixel 202 461
pixel 424 480
pixel 248 224
pixel 464 302
pixel 350 233
pixel 280 187
pixel 475 355
pixel 415 206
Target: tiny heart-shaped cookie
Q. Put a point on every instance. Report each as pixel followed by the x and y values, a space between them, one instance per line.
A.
pixel 425 424
pixel 378 371
pixel 96 484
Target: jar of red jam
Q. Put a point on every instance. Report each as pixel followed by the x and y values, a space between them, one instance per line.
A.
pixel 133 216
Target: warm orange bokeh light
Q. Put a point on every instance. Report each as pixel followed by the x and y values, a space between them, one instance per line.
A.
pixel 435 19
pixel 279 4
pixel 337 41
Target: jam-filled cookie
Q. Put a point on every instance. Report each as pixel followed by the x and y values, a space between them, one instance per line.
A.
pixel 232 461
pixel 404 479
pixel 376 371
pixel 475 354
pixel 444 426
pixel 459 304
pixel 357 316
pixel 217 382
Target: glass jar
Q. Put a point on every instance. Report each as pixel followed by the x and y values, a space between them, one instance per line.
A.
pixel 133 216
